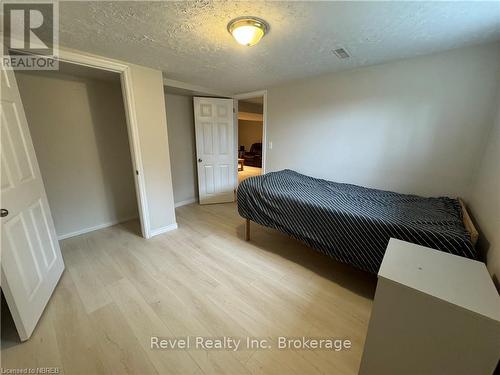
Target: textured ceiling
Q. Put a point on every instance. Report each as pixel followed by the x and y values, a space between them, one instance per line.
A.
pixel 189 42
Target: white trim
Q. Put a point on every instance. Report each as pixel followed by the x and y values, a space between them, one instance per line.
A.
pixel 91 61
pixel 96 227
pixel 194 88
pixel 249 95
pixel 186 202
pixel 236 143
pixel 168 228
pixel 254 94
pixel 131 117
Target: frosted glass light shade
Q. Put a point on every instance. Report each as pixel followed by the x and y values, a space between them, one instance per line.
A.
pixel 247 31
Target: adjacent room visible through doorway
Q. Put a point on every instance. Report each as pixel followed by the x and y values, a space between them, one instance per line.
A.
pixel 250 137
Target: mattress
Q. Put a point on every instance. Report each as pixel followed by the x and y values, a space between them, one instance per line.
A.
pixel 350 223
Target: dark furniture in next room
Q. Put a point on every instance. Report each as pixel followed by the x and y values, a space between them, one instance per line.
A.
pixel 254 156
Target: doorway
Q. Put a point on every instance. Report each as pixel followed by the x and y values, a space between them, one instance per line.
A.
pixel 77 121
pixel 251 126
pixel 185 153
pixel 31 259
pixel 202 144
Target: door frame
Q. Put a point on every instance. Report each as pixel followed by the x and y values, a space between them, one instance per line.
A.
pixel 124 70
pixel 249 95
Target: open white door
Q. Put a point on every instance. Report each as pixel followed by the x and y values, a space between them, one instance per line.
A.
pixel 215 149
pixel 31 261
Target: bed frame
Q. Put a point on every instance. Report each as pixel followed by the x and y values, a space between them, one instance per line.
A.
pixel 468 224
pixel 247 230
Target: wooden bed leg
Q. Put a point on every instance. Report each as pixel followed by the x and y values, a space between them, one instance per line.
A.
pixel 247 230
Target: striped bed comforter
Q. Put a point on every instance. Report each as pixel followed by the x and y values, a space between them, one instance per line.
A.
pixel 351 223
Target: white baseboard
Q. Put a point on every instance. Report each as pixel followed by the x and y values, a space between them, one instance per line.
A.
pixel 187 201
pixel 91 229
pixel 168 228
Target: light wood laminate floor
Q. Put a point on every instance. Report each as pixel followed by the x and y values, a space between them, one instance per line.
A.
pixel 248 171
pixel 203 279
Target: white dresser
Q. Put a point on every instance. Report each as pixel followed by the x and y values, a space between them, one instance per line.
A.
pixel 434 313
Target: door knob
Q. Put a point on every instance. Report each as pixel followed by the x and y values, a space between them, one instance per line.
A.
pixel 4 212
pixel 199 160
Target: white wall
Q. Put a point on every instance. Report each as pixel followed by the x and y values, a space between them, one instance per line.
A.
pixel 414 126
pixel 79 132
pixel 485 198
pixel 182 147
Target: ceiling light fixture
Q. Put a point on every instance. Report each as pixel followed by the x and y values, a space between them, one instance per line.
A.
pixel 248 31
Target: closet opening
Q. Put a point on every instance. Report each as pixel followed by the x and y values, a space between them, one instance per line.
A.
pixel 78 125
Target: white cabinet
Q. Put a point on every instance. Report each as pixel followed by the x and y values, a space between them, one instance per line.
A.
pixel 434 313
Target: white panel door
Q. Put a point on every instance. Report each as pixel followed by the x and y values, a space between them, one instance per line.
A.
pixel 215 149
pixel 31 261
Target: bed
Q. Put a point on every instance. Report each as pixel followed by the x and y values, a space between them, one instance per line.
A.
pixel 350 223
